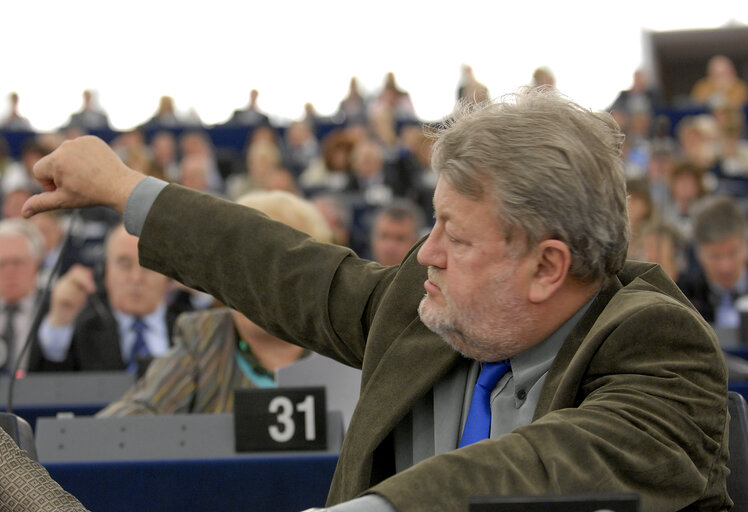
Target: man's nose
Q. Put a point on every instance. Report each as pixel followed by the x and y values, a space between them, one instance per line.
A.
pixel 430 253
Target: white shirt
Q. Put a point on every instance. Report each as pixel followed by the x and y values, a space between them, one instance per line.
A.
pixel 55 341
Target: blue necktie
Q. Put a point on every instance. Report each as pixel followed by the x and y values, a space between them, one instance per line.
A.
pixel 478 423
pixel 139 348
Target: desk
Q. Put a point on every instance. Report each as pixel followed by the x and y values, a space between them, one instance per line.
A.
pixel 181 462
pixel 45 394
pixel 276 483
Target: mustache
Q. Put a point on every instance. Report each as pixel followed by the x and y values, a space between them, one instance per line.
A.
pixel 435 276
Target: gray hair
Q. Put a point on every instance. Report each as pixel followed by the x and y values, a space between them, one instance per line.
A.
pixel 21 227
pixel 401 209
pixel 716 218
pixel 554 169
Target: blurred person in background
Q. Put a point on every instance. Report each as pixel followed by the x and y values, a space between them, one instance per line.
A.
pixel 639 97
pixel 91 116
pixel 163 147
pixel 251 115
pixel 731 148
pixel 397 227
pixel 299 147
pixel 394 100
pixel 21 251
pixel 219 350
pixel 543 77
pixel 721 86
pixel 352 109
pixel 641 212
pixel 328 171
pixel 118 326
pixel 469 88
pixel 14 121
pixel 197 142
pixel 719 233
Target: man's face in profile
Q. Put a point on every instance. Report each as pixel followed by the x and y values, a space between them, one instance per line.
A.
pixel 476 294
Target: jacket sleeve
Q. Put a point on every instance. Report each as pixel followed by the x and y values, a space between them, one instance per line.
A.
pixel 320 296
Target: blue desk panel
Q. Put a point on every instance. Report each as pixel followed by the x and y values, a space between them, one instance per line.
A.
pixel 254 484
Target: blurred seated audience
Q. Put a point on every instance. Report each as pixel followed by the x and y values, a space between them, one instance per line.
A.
pixel 639 97
pixel 167 117
pixel 393 99
pixel 299 147
pixel 638 145
pixel 413 168
pixel 194 173
pixel 337 213
pixel 14 121
pixel 721 86
pixel 91 116
pixel 662 158
pixel 21 250
pixel 352 109
pixel 719 233
pixel 397 227
pixel 731 148
pixel 197 142
pixel 13 198
pixel 685 188
pixel 641 211
pixel 51 225
pixel 251 115
pixel 263 161
pixel 663 244
pixel 119 326
pixel 163 147
pixel 469 88
pixel 328 171
pixel 219 350
pixel 697 140
pixel 17 174
pixel 543 77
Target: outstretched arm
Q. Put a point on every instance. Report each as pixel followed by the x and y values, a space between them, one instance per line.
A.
pixel 82 172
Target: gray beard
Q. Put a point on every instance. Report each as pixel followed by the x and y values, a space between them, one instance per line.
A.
pixel 497 345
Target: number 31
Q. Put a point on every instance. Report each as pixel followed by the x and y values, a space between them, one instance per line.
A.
pixel 283 408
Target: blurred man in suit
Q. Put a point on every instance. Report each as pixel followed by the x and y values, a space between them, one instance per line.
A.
pixel 21 252
pixel 719 233
pixel 87 330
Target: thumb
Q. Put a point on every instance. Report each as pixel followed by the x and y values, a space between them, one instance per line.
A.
pixel 42 202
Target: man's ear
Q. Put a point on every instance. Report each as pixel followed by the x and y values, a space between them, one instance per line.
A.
pixel 553 260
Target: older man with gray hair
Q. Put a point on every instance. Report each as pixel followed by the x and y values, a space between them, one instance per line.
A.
pixel 538 361
pixel 21 252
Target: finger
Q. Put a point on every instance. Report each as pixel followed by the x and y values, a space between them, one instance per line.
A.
pixel 42 169
pixel 42 202
pixel 84 279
